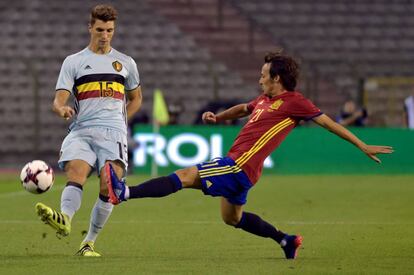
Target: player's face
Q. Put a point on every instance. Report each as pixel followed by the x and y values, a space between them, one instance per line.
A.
pixel 349 107
pixel 266 82
pixel 101 33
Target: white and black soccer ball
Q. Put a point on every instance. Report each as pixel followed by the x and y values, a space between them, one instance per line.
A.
pixel 37 177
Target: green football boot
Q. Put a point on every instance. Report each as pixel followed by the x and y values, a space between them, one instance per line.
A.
pixel 87 250
pixel 58 221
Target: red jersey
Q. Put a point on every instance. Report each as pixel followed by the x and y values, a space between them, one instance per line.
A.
pixel 271 120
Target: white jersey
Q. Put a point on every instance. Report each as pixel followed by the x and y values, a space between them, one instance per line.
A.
pixel 99 83
pixel 409 108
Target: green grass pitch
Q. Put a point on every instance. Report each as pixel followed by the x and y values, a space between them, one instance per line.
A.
pixel 354 224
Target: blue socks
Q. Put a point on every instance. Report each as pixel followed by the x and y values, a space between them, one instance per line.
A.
pixel 164 186
pixel 156 188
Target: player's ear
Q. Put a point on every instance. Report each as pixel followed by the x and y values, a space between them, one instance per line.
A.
pixel 276 78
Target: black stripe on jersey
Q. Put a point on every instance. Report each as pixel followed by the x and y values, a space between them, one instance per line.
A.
pixel 100 77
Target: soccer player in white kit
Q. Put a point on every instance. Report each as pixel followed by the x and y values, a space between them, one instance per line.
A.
pixel 409 112
pixel 106 87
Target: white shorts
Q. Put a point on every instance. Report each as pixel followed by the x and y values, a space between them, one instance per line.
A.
pixel 95 145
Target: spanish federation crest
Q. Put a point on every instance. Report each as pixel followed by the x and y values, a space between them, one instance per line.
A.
pixel 276 104
pixel 117 66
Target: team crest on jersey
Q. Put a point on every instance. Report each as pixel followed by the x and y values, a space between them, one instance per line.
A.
pixel 275 105
pixel 117 66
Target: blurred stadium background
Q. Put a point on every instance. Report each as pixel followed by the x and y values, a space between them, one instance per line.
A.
pixel 200 51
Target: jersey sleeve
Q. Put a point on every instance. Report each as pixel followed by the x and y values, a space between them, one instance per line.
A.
pixel 132 80
pixel 304 109
pixel 252 104
pixel 66 77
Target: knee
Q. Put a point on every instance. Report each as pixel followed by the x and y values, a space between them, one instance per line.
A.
pixel 231 220
pixel 76 174
pixel 189 177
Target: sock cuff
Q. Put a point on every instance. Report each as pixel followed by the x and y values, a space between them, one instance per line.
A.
pixel 104 204
pixel 74 184
pixel 103 198
pixel 176 180
pixel 241 222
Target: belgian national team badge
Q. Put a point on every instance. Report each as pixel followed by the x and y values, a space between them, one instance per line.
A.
pixel 117 66
pixel 275 105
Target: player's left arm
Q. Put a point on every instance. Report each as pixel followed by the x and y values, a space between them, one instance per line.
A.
pixel 134 101
pixel 370 150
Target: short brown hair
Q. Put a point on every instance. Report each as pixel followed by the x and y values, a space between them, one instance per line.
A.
pixel 103 12
pixel 285 67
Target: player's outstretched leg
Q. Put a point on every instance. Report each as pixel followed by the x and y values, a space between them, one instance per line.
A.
pixel 57 220
pixel 153 188
pixel 253 224
pixel 87 249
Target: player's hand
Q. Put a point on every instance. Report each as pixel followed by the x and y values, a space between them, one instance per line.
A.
pixel 359 114
pixel 372 150
pixel 66 112
pixel 209 118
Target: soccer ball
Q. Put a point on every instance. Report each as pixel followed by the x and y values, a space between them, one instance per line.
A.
pixel 37 177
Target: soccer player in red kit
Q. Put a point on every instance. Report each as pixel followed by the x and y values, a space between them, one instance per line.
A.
pixel 273 115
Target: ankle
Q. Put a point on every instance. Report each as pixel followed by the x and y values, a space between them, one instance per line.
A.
pixel 126 195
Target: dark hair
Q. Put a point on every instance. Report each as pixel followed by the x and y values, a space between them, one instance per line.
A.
pixel 103 12
pixel 285 67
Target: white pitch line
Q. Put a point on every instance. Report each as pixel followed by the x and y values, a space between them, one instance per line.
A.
pixel 219 222
pixel 24 192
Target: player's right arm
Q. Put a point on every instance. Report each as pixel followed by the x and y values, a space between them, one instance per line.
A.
pixel 64 86
pixel 237 111
pixel 60 106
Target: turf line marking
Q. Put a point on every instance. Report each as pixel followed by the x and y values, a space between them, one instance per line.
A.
pixel 24 192
pixel 218 222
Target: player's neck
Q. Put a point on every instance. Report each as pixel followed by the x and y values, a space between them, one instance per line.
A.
pixel 99 50
pixel 277 92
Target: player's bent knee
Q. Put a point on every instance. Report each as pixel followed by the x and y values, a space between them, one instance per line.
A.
pixel 75 176
pixel 77 172
pixel 189 177
pixel 232 221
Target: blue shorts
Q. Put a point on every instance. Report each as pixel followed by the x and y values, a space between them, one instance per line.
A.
pixel 222 177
